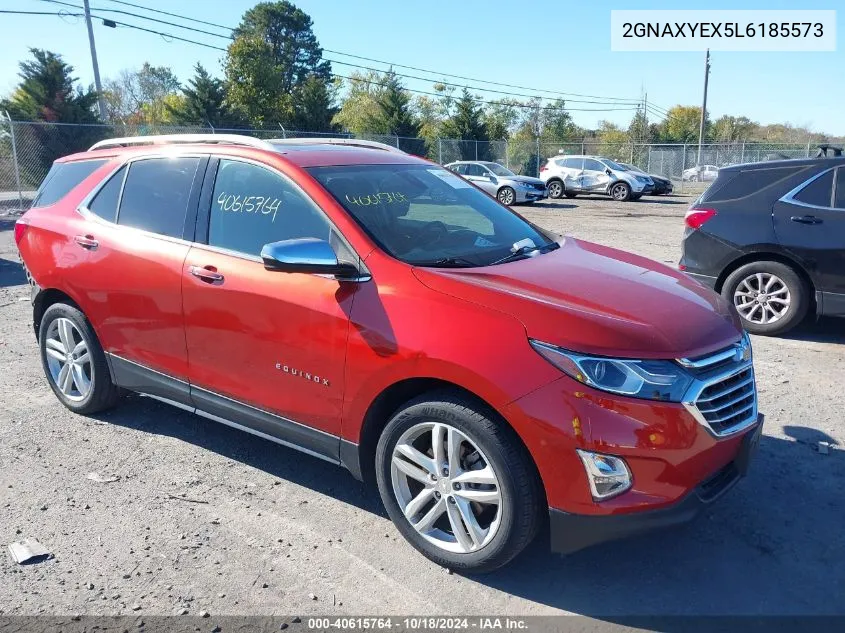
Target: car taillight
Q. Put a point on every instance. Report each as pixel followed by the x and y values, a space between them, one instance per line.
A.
pixel 696 217
pixel 20 230
pixel 542 168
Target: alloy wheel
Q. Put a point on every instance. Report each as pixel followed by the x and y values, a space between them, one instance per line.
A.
pixel 68 359
pixel 618 192
pixel 506 196
pixel 762 298
pixel 446 487
pixel 555 190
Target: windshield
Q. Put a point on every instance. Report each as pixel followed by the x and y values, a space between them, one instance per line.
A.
pixel 613 165
pixel 497 169
pixel 427 216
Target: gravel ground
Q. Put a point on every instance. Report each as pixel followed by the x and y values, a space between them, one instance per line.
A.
pixel 269 531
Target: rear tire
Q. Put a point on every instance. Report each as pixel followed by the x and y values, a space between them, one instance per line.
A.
pixel 487 451
pixel 770 297
pixel 74 362
pixel 555 189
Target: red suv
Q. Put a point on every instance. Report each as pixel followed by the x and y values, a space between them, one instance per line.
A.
pixel 377 311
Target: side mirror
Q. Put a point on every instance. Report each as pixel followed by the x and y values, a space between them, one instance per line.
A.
pixel 306 255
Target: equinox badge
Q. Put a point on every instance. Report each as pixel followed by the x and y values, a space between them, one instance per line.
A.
pixel 303 374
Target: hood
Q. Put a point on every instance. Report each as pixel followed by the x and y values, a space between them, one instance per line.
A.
pixel 526 179
pixel 598 300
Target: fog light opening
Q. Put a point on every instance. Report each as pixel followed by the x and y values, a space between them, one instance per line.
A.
pixel 607 475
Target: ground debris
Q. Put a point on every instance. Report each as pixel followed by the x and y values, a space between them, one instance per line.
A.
pixel 102 479
pixel 28 551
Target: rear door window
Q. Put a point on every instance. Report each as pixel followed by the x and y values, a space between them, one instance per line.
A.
pixel 593 165
pixel 252 206
pixel 819 192
pixel 155 195
pixel 62 178
pixel 573 163
pixel 105 202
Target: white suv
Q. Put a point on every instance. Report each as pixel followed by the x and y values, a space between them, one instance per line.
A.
pixel 570 175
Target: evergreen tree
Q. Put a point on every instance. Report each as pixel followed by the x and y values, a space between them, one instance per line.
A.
pixel 394 114
pixel 314 105
pixel 47 92
pixel 204 102
pixel 467 124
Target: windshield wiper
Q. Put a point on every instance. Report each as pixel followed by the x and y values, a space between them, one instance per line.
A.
pixel 522 252
pixel 448 262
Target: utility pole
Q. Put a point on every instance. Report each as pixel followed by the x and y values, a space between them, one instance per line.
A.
pixel 100 100
pixel 703 106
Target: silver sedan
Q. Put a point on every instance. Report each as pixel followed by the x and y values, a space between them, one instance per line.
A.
pixel 507 187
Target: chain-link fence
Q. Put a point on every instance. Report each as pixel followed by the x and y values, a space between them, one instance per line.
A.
pixel 27 149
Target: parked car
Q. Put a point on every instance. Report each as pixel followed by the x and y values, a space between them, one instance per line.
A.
pixel 501 182
pixel 700 173
pixel 490 377
pixel 662 185
pixel 572 175
pixel 770 237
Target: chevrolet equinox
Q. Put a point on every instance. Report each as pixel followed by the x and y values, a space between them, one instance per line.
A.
pixel 375 310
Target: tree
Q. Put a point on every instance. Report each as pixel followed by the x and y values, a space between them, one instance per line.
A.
pixel 614 142
pixel 500 117
pixel 733 128
pixel 140 96
pixel 556 123
pixel 314 105
pixel 638 129
pixel 467 124
pixel 273 55
pixel 681 124
pixel 360 106
pixel 47 92
pixel 394 115
pixel 203 101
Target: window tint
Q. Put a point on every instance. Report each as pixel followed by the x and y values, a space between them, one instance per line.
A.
pixel 253 206
pixel 105 202
pixel 818 192
pixel 63 177
pixel 475 170
pixel 839 196
pixel 458 169
pixel 155 196
pixel 593 165
pixel 573 163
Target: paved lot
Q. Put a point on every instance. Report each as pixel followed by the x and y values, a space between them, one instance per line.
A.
pixel 276 527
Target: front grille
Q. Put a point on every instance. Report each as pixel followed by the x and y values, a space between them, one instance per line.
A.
pixel 729 403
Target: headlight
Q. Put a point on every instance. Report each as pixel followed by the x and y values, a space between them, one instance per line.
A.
pixel 642 179
pixel 649 379
pixel 608 475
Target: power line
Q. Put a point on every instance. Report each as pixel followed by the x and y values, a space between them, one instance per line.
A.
pixel 380 61
pixel 170 36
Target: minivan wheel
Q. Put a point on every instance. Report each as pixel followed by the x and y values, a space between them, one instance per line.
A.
pixel 507 196
pixel 555 189
pixel 457 484
pixel 620 191
pixel 74 362
pixel 770 297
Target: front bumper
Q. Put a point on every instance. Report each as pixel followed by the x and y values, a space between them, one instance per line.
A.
pixel 530 195
pixel 573 532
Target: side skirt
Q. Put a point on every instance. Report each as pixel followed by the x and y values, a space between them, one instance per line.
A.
pixel 238 415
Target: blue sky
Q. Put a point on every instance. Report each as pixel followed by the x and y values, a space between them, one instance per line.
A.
pixel 551 45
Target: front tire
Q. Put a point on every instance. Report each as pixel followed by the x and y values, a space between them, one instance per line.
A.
pixel 770 297
pixel 555 189
pixel 458 484
pixel 620 191
pixel 507 196
pixel 74 362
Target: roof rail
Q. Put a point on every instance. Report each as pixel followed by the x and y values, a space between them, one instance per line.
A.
pixel 172 139
pixel 350 142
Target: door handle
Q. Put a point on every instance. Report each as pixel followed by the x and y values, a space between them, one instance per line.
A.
pixel 206 274
pixel 86 241
pixel 806 219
